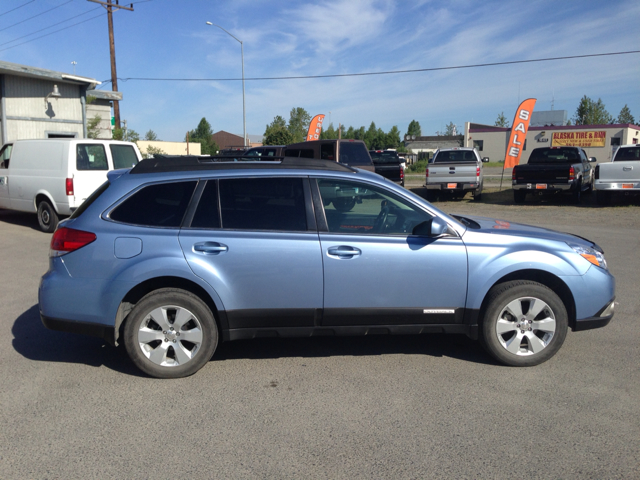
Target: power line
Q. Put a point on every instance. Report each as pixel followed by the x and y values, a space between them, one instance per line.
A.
pixel 51 33
pixel 30 18
pixel 392 72
pixel 50 26
pixel 1 14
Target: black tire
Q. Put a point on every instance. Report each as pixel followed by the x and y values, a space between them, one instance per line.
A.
pixel 432 195
pixel 576 195
pixel 533 338
pixel 477 195
pixel 157 349
pixel 47 217
pixel 344 204
pixel 603 197
pixel 519 196
pixel 590 188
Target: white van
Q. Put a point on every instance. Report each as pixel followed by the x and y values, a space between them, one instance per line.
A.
pixel 53 177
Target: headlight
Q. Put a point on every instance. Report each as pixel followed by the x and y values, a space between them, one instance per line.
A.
pixel 591 254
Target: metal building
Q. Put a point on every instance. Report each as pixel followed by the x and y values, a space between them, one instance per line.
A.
pixel 40 103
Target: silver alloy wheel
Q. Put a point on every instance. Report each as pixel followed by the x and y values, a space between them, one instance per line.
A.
pixel 170 336
pixel 525 326
pixel 46 218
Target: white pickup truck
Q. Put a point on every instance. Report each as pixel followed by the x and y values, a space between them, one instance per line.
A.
pixel 619 177
pixel 454 171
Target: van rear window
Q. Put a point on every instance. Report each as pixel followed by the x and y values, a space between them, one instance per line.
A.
pixel 91 156
pixel 90 199
pixel 124 156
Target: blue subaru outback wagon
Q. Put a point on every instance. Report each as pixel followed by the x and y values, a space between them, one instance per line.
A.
pixel 180 253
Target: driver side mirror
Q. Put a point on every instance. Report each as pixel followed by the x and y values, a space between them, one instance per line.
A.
pixel 485 159
pixel 431 228
pixel 592 159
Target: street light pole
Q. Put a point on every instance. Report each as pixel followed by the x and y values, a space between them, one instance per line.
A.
pixel 244 113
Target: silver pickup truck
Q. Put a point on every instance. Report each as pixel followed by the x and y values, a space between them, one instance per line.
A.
pixel 619 177
pixel 454 172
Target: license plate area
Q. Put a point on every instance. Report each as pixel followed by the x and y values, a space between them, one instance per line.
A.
pixel 452 185
pixel 627 185
pixel 541 186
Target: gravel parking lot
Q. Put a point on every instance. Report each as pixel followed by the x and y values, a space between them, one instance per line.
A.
pixel 374 407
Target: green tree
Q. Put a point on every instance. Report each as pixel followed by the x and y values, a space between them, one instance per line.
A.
pixel 625 116
pixel 591 113
pixel 414 128
pixel 329 133
pixel 93 127
pixel 277 135
pixel 450 129
pixel 299 120
pixel 392 139
pixel 370 135
pixel 203 135
pixel 153 151
pixel 151 136
pixel 128 135
pixel 277 123
pixel 502 121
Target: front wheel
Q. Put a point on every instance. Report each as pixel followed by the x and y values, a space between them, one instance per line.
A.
pixel 525 323
pixel 170 333
pixel 47 217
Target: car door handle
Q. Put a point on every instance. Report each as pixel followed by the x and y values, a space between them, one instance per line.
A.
pixel 627 169
pixel 210 248
pixel 344 251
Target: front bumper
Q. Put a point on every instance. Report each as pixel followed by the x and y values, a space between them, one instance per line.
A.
pixel 601 319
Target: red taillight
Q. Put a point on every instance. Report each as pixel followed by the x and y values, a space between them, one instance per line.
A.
pixel 67 240
pixel 477 171
pixel 427 172
pixel 572 173
pixel 401 173
pixel 69 186
pixel 513 174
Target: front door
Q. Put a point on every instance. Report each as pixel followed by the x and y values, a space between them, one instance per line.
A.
pixel 257 251
pixel 376 272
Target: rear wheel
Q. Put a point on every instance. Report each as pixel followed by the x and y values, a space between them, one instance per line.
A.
pixel 525 323
pixel 47 217
pixel 170 333
pixel 519 196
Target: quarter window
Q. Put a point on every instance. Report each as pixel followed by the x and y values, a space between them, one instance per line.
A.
pixel 91 157
pixel 357 208
pixel 160 205
pixel 263 204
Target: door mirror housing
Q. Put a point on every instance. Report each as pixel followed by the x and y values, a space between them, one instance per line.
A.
pixel 592 159
pixel 485 159
pixel 431 228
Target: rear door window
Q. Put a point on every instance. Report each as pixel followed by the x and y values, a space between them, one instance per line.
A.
pixel 159 205
pixel 91 156
pixel 263 204
pixel 124 156
pixel 5 155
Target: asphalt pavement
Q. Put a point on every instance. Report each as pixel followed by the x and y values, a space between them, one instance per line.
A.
pixel 373 407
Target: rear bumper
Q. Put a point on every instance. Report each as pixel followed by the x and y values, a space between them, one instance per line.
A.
pixel 92 329
pixel 536 187
pixel 629 186
pixel 458 186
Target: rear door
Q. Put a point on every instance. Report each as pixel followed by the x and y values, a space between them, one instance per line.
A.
pixel 89 164
pixel 376 272
pixel 254 240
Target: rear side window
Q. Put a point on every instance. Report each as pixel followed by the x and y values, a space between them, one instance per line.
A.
pixel 91 157
pixel 160 205
pixel 299 152
pixel 354 154
pixel 327 151
pixel 263 204
pixel 124 156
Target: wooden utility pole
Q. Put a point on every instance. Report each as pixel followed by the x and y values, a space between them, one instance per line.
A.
pixel 112 48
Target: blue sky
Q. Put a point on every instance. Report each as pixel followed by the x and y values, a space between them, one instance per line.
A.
pixel 169 39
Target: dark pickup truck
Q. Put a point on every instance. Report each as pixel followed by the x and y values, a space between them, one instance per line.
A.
pixel 552 170
pixel 388 164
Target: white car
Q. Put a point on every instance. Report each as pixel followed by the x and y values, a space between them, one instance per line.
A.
pixel 54 176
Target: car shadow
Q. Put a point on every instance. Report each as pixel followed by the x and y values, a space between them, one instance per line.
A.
pixel 435 345
pixel 22 219
pixel 35 342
